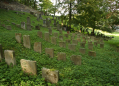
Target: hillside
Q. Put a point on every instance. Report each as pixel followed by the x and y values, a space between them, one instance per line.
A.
pixel 99 70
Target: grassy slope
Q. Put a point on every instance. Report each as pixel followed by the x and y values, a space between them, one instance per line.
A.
pixel 101 70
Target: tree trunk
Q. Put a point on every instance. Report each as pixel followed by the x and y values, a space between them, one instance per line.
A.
pixel 70 16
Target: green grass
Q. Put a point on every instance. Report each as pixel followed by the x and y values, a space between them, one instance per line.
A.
pixel 102 70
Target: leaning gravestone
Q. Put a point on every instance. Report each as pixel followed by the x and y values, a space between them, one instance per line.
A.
pixel 61 56
pixel 39 33
pixel 50 75
pixel 8 27
pixel 50 52
pixel 26 41
pixel 18 37
pixel 47 37
pixel 29 66
pixel 1 52
pixel 23 25
pixel 82 50
pixel 76 59
pixel 37 47
pixel 62 44
pixel 72 47
pixel 53 40
pixel 92 53
pixel 10 57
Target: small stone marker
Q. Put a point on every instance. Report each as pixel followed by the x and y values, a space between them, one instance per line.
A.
pixel 90 46
pixel 76 59
pixel 82 44
pixel 101 45
pixel 39 33
pixel 53 40
pixel 50 31
pixel 61 37
pixel 26 41
pixel 61 56
pixel 18 37
pixel 50 52
pixel 47 37
pixel 56 34
pixel 92 53
pixel 37 47
pixel 82 50
pixel 29 66
pixel 23 25
pixel 74 42
pixel 50 75
pixel 8 27
pixel 1 52
pixel 72 47
pixel 10 57
pixel 68 40
pixel 62 44
pixel 66 35
pixel 78 39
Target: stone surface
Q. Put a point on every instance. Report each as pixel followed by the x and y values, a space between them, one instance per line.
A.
pixel 92 53
pixel 60 31
pixel 10 57
pixel 90 46
pixel 79 39
pixel 68 41
pixel 37 47
pixel 50 75
pixel 66 35
pixel 62 44
pixel 18 37
pixel 95 43
pixel 75 42
pixel 82 44
pixel 23 25
pixel 61 56
pixel 28 21
pixel 82 50
pixel 39 33
pixel 26 41
pixel 50 52
pixel 50 31
pixel 37 27
pixel 101 45
pixel 56 34
pixel 76 59
pixel 72 47
pixel 1 52
pixel 29 66
pixel 61 37
pixel 53 40
pixel 47 37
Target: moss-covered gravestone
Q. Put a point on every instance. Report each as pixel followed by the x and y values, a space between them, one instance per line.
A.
pixel 26 41
pixel 61 56
pixel 18 37
pixel 37 47
pixel 50 52
pixel 76 59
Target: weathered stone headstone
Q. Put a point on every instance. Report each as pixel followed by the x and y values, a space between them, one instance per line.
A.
pixel 72 47
pixel 76 59
pixel 50 75
pixel 50 52
pixel 74 42
pixel 18 37
pixel 53 40
pixel 61 56
pixel 26 41
pixel 82 50
pixel 92 53
pixel 39 33
pixel 95 43
pixel 10 57
pixel 66 35
pixel 29 66
pixel 68 41
pixel 47 37
pixel 29 27
pixel 28 23
pixel 62 44
pixel 82 44
pixel 78 36
pixel 37 47
pixel 18 25
pixel 61 37
pixel 101 45
pixel 78 39
pixel 23 25
pixel 8 27
pixel 1 52
pixel 90 46
pixel 56 34
pixel 50 31
pixel 60 31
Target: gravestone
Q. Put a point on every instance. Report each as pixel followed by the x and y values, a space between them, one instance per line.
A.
pixel 82 50
pixel 90 46
pixel 26 41
pixel 1 52
pixel 88 39
pixel 92 53
pixel 53 40
pixel 50 52
pixel 18 37
pixel 18 25
pixel 28 66
pixel 79 39
pixel 29 27
pixel 50 75
pixel 76 59
pixel 72 47
pixel 23 25
pixel 101 45
pixel 10 57
pixel 62 44
pixel 37 47
pixel 61 56
pixel 39 33
pixel 50 31
pixel 60 31
pixel 75 42
pixel 8 27
pixel 61 37
pixel 82 44
pixel 56 34
pixel 92 38
pixel 28 23
pixel 47 36
pixel 66 35
pixel 78 36
pixel 95 43
pixel 68 41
